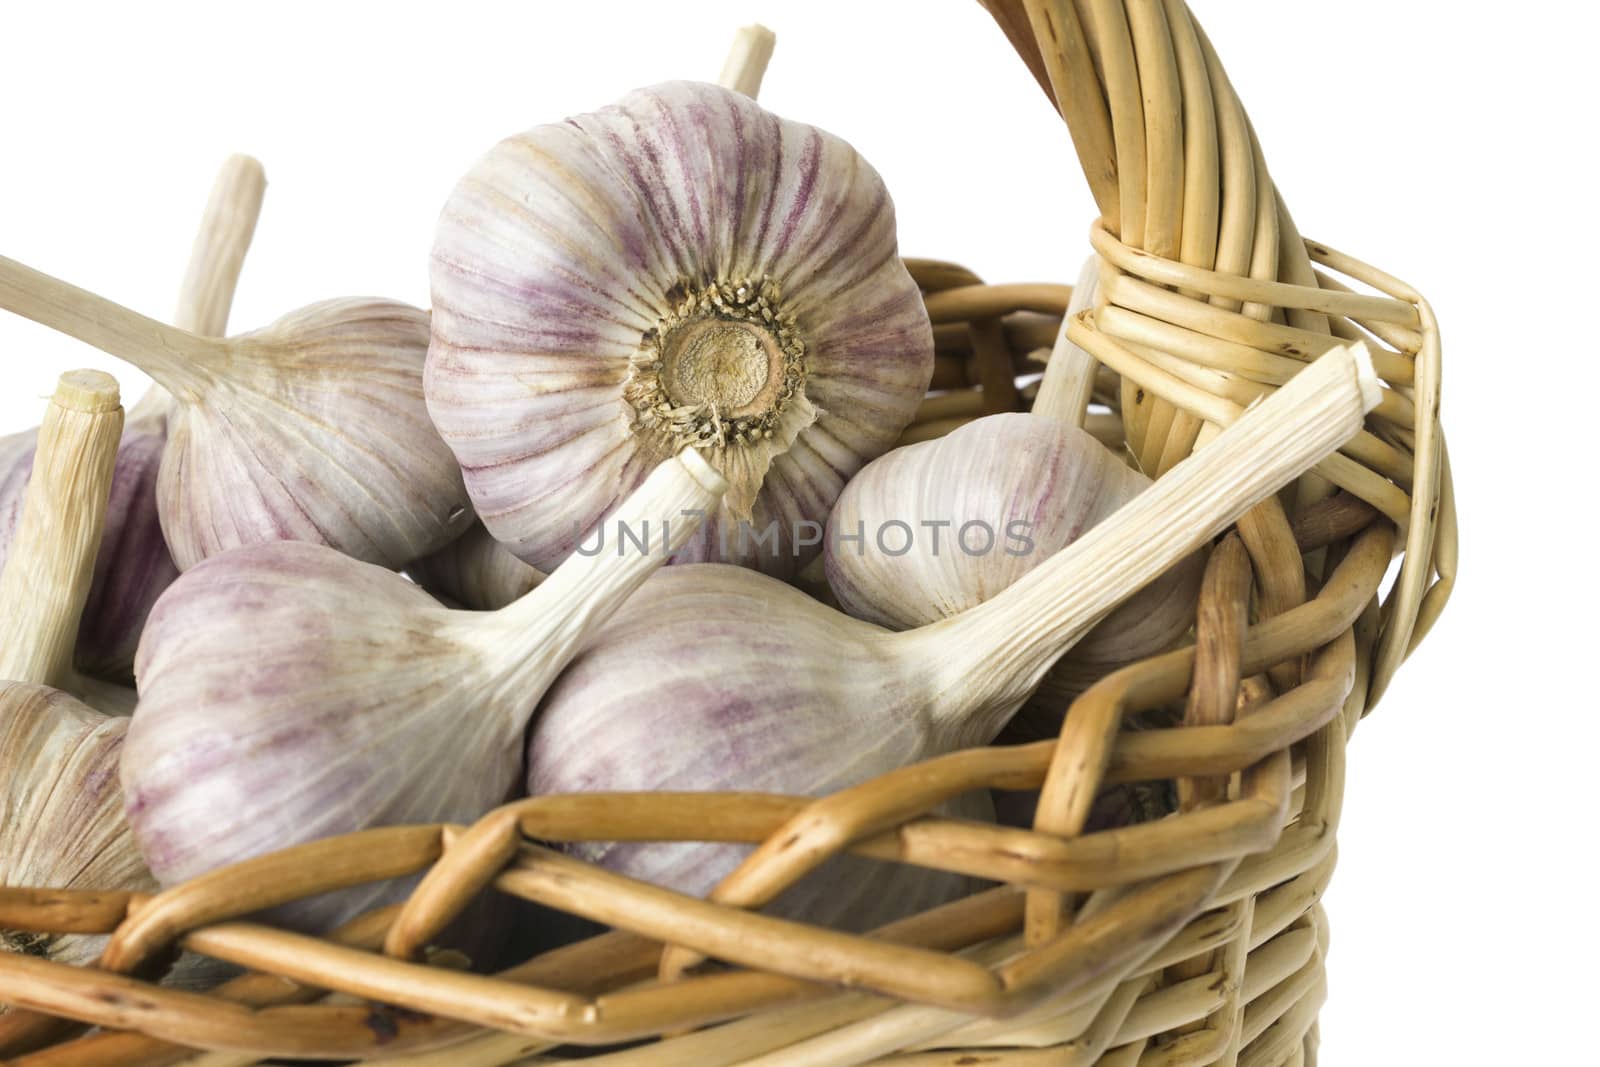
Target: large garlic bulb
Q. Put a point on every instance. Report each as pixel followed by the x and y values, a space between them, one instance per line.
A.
pixel 715 678
pixel 682 268
pixel 289 693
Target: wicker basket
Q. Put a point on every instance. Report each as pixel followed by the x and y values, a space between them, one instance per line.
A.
pixel 1192 939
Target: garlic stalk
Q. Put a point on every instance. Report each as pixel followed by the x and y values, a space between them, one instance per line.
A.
pixel 1157 616
pixel 50 560
pixel 289 693
pixel 1068 382
pixel 133 566
pixel 226 229
pixel 682 268
pixel 312 429
pixel 714 677
pixel 747 60
pixel 61 819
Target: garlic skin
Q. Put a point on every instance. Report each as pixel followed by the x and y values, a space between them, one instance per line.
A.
pixel 290 693
pixel 61 821
pixel 475 571
pixel 312 429
pixel 1031 485
pixel 717 678
pixel 133 566
pixel 62 824
pixel 321 418
pixel 682 268
pixel 258 666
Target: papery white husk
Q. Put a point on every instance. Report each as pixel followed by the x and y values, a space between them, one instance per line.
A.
pixel 697 685
pixel 251 668
pixel 564 246
pixel 62 823
pixel 317 432
pixel 1033 485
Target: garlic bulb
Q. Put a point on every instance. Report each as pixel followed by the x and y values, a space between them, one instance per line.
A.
pixel 475 571
pixel 682 268
pixel 932 529
pixel 716 677
pixel 289 693
pixel 312 429
pixel 61 820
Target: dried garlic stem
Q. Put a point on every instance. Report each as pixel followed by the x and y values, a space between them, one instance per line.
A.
pixel 1068 381
pixel 177 359
pixel 1003 647
pixel 226 229
pixel 748 59
pixel 549 625
pixel 51 562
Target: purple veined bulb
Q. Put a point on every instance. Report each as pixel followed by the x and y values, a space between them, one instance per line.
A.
pixel 310 429
pixel 932 529
pixel 681 268
pixel 288 693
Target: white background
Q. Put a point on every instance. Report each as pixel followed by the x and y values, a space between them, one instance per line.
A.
pixel 1449 144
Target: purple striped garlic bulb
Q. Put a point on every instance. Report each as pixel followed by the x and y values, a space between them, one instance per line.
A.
pixel 311 429
pixel 682 268
pixel 935 528
pixel 733 681
pixel 289 693
pixel 61 820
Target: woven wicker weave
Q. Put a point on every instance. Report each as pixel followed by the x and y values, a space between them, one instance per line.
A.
pixel 1192 939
